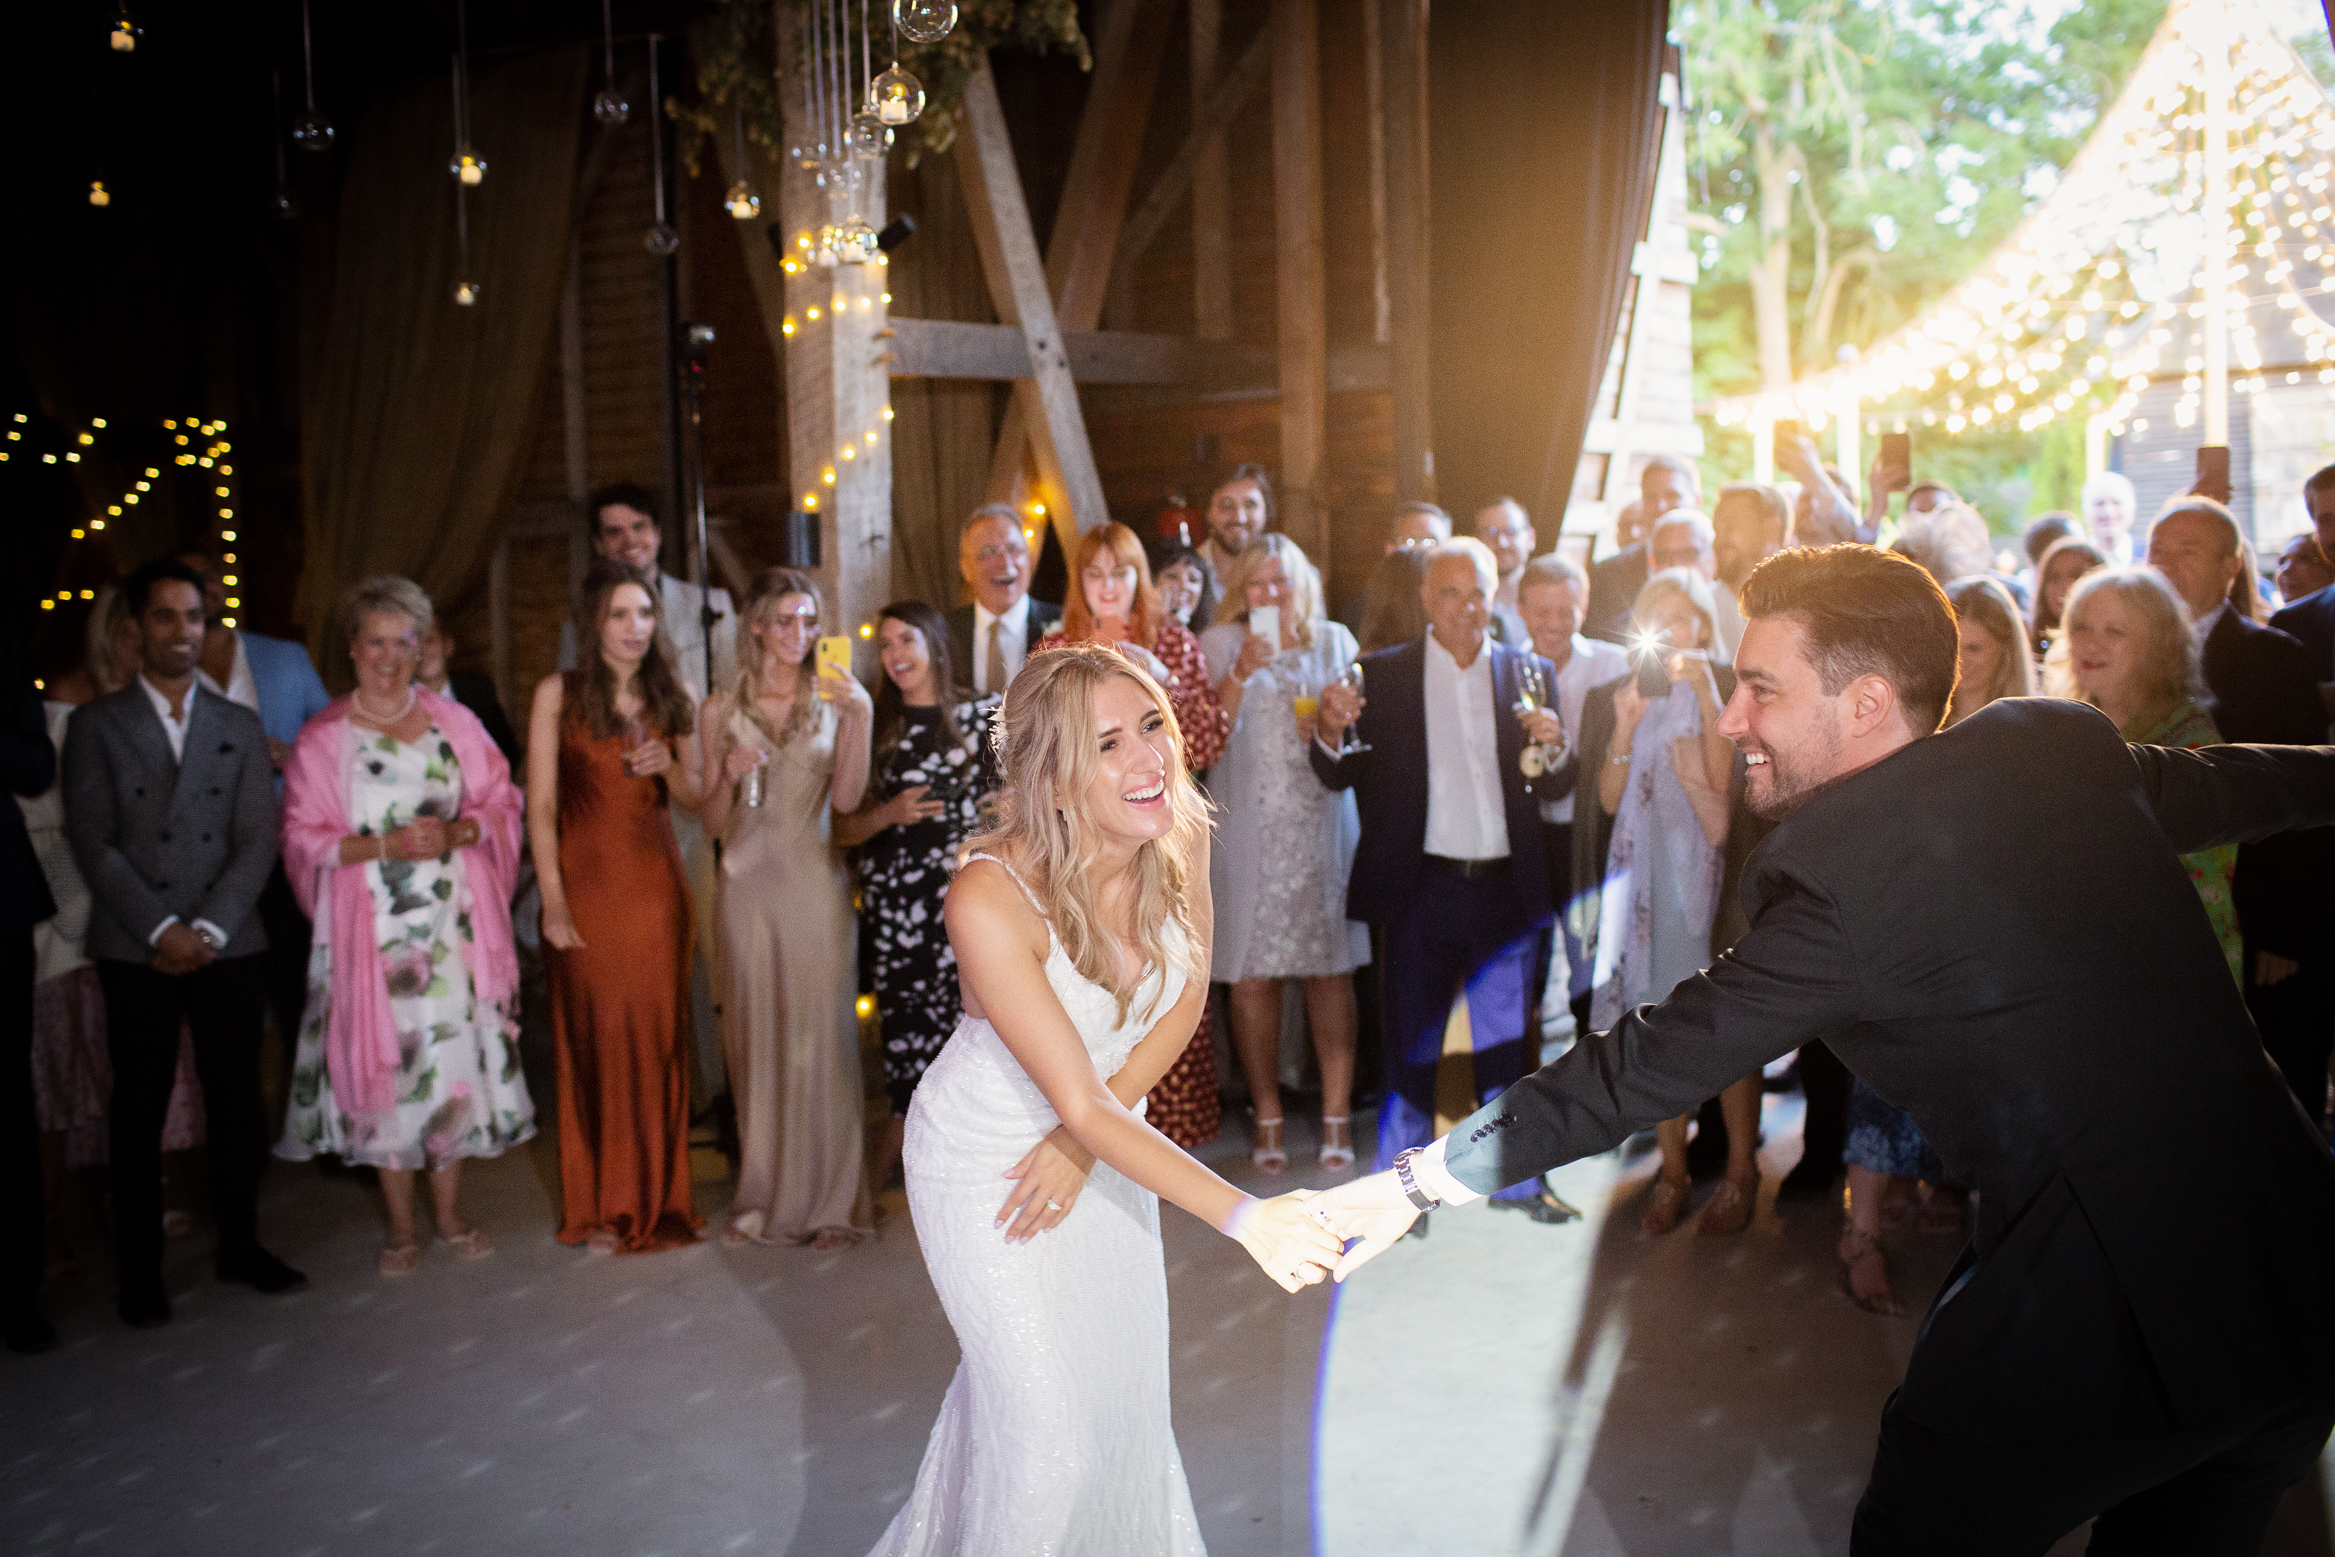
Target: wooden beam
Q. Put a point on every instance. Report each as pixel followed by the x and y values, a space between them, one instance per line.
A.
pixel 1000 218
pixel 1403 26
pixel 1175 180
pixel 1374 119
pixel 1211 185
pixel 1094 200
pixel 951 348
pixel 1302 329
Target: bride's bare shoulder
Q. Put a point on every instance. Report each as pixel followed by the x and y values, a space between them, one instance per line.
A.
pixel 986 900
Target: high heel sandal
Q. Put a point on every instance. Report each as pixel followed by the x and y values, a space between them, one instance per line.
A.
pixel 1267 1151
pixel 1857 1246
pixel 1337 1141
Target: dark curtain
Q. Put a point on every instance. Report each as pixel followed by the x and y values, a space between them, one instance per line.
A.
pixel 418 426
pixel 1543 131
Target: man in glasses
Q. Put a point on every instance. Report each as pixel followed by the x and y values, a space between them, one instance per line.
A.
pixel 990 637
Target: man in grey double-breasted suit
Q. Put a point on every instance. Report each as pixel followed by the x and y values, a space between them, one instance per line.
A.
pixel 170 807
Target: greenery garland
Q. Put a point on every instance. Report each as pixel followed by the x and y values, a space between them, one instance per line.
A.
pixel 737 65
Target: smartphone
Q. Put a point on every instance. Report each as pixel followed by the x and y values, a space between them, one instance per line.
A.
pixel 1265 622
pixel 2213 473
pixel 835 651
pixel 1896 461
pixel 1781 436
pixel 1653 669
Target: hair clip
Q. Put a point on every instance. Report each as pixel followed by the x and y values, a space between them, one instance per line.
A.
pixel 997 732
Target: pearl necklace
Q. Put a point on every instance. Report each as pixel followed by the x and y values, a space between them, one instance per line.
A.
pixel 385 720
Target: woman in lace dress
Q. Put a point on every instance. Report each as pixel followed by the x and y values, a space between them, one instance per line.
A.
pixel 1285 844
pixel 1081 926
pixel 931 770
pixel 1112 601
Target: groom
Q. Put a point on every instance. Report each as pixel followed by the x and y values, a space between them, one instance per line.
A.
pixel 1991 926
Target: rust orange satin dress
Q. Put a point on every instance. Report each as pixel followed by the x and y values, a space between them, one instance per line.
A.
pixel 619 1007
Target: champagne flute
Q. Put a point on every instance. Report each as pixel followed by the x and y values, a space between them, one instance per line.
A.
pixel 1351 679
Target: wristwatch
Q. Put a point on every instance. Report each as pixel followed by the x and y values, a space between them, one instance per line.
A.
pixel 1418 1196
pixel 209 937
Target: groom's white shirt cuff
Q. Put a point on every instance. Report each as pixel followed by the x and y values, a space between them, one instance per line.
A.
pixel 1436 1179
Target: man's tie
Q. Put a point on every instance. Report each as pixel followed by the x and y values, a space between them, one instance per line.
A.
pixel 995 670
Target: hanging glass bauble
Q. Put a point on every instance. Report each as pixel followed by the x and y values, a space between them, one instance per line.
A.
pixel 97 194
pixel 855 242
pixel 823 246
pixel 662 240
pixel 312 131
pixel 467 166
pixel 287 208
pixel 896 96
pixel 125 35
pixel 807 158
pixel 868 136
pixel 926 21
pixel 466 293
pixel 743 200
pixel 610 109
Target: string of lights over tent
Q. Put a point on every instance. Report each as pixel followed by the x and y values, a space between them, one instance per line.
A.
pixel 210 454
pixel 2116 278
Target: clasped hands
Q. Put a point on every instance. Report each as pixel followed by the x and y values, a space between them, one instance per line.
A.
pixel 1296 1238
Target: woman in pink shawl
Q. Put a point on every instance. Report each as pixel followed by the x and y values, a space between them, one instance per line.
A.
pixel 401 837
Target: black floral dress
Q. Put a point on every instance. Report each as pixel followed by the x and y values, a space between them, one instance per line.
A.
pixel 903 878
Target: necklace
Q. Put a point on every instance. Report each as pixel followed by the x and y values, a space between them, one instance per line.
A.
pixel 386 720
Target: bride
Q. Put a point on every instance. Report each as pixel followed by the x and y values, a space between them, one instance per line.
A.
pixel 1080 923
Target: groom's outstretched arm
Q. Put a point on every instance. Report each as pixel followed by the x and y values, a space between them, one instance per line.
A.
pixel 1790 979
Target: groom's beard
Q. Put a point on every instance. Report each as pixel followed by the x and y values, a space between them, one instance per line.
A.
pixel 1792 778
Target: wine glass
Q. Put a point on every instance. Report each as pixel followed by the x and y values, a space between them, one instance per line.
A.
pixel 1351 679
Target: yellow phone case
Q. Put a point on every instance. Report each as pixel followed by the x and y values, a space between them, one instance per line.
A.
pixel 835 651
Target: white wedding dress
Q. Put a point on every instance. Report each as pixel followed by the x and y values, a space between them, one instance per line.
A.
pixel 1054 1437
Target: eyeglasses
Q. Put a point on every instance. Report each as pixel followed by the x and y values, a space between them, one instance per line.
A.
pixel 993 553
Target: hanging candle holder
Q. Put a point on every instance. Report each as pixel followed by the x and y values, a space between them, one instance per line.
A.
pixel 924 21
pixel 97 193
pixel 868 136
pixel 742 199
pixel 284 205
pixel 467 166
pixel 608 105
pixel 896 97
pixel 660 240
pixel 312 131
pixel 125 34
pixel 855 241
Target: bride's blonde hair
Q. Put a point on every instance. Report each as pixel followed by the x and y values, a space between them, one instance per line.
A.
pixel 1049 762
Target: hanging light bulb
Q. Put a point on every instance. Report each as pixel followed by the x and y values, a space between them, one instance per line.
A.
pixel 126 33
pixel 896 96
pixel 662 240
pixel 467 166
pixel 743 200
pixel 466 293
pixel 925 21
pixel 312 131
pixel 97 194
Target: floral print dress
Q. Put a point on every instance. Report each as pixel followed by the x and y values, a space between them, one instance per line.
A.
pixel 904 880
pixel 459 1088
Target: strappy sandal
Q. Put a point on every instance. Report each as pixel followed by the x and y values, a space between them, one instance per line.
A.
pixel 1856 1247
pixel 1337 1141
pixel 1665 1208
pixel 1268 1152
pixel 471 1243
pixel 401 1259
pixel 1729 1209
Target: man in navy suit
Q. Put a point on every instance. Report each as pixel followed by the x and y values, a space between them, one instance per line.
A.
pixel 2311 618
pixel 1450 861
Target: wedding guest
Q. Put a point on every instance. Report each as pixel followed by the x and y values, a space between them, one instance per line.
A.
pixel 1414 526
pixel 1886 1154
pixel 2303 569
pixel 1666 482
pixel 2128 651
pixel 2310 619
pixel 111 651
pixel 28 764
pixel 275 679
pixel 1284 845
pixel 932 767
pixel 2042 533
pixel 2109 510
pixel 401 835
pixel 1240 508
pixel 1554 593
pixel 2263 689
pixel 787 752
pixel 1391 612
pixel 1112 601
pixel 1948 542
pixel 1656 850
pixel 993 634
pixel 606 756
pixel 2064 562
pixel 171 810
pixel 474 690
pixel 1686 539
pixel 1750 522
pixel 1448 860
pixel 1182 579
pixel 1503 525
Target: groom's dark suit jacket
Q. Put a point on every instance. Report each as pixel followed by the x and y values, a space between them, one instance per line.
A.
pixel 1390 784
pixel 1992 928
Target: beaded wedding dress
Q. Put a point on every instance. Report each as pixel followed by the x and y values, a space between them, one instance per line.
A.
pixel 1054 1436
